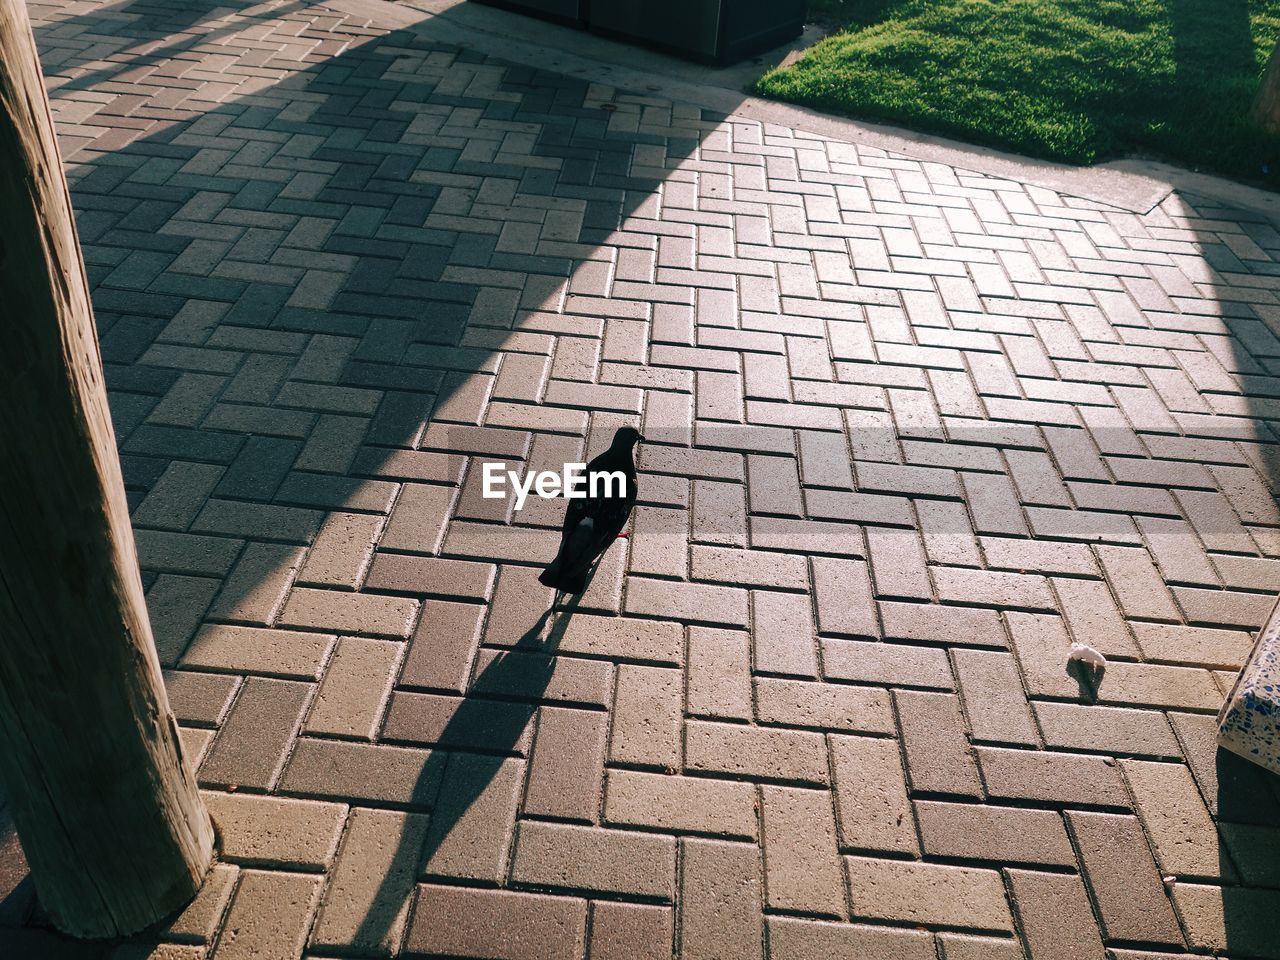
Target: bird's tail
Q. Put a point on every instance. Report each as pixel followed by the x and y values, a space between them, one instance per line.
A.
pixel 550 577
pixel 568 571
pixel 575 580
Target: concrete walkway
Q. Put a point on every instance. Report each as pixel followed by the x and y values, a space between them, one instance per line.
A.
pixel 911 429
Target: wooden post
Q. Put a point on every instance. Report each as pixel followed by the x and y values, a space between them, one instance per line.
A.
pixel 104 804
pixel 1265 112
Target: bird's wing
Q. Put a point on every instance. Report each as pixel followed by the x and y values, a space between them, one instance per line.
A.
pixel 612 514
pixel 579 547
pixel 574 514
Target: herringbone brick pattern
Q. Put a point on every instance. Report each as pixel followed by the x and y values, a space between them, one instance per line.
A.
pixel 911 430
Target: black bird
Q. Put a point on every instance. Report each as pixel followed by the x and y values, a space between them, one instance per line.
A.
pixel 594 522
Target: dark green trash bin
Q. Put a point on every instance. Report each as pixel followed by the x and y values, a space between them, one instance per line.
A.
pixel 713 31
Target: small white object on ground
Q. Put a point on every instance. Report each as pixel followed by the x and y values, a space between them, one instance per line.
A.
pixel 1089 657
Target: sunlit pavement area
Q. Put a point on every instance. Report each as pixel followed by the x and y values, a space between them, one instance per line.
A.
pixel 910 430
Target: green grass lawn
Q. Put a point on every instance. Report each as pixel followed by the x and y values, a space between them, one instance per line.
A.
pixel 1073 80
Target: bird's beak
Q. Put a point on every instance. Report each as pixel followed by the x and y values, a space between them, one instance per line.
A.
pixel 640 438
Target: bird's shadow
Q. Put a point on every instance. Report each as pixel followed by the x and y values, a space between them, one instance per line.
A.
pixel 484 733
pixel 1088 678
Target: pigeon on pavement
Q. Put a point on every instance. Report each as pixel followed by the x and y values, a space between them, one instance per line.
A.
pixel 593 522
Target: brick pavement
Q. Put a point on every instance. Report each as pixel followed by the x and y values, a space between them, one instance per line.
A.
pixel 911 431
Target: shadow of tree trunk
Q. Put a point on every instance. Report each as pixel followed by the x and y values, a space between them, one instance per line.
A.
pixel 422 309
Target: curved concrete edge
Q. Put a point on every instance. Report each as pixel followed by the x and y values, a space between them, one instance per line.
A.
pixel 1136 186
pixel 1249 722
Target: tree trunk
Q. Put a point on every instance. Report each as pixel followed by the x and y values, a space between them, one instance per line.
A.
pixel 1266 104
pixel 105 806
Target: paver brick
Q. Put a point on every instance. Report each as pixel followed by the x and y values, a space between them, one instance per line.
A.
pixel 791 938
pixel 1226 918
pixel 179 494
pixel 719 674
pixel 872 809
pixel 366 904
pixel 272 832
pixel 988 832
pixel 1175 819
pixel 966 626
pixel 567 764
pixel 290 654
pixel 756 753
pixel 363 771
pixel 418 519
pixel 166 552
pixel 630 931
pixel 365 614
pixel 470 832
pixel 1055 916
pixel 842 596
pixel 268 917
pixel 679 803
pixel 961 946
pixel 341 551
pixel 806 536
pixel 623 638
pixel 1052 777
pixel 591 858
pixel 1127 887
pixel 993 588
pixel 831 706
pixel 1042 645
pixel 423 576
pixel 782 634
pixel 1223 608
pixel 498 924
pixel 898 564
pixel 1076 726
pixel 690 602
pixel 1137 583
pixel 802 868
pixel 238 518
pixel 255 591
pixel 256 734
pixel 443 647
pixel 720 900
pixel 176 606
pixel 937 750
pixel 897 664
pixel 1092 616
pixel 647 716
pixel 199 697
pixel 355 686
pixel 751 568
pixel 993 697
pixel 921 893
pixel 200 919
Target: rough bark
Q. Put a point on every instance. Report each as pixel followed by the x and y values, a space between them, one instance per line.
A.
pixel 1266 104
pixel 104 804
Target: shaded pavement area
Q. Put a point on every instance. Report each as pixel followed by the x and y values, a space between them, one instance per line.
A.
pixel 911 431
